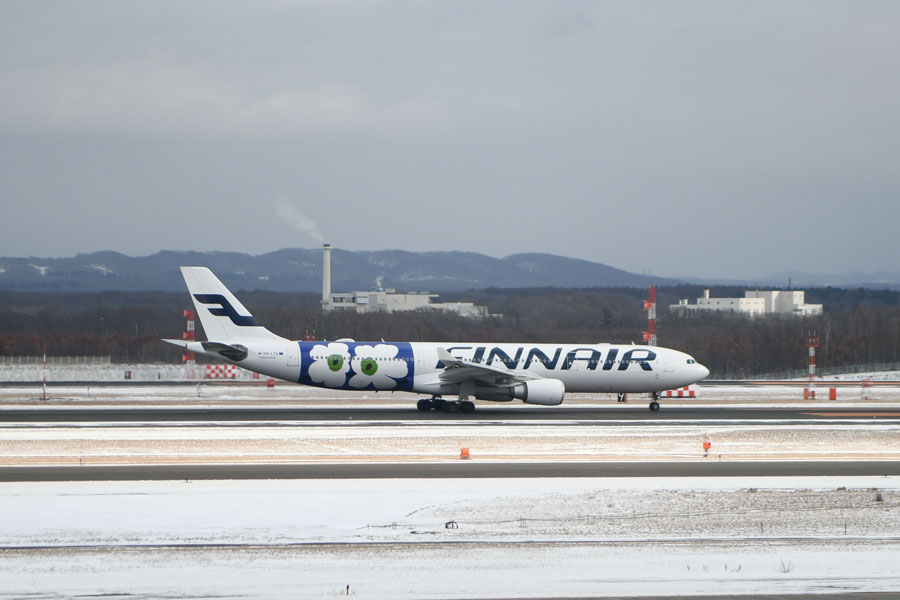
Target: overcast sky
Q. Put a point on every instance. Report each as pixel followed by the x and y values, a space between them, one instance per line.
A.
pixel 705 139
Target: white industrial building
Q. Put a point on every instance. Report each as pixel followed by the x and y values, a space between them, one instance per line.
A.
pixel 388 300
pixel 754 303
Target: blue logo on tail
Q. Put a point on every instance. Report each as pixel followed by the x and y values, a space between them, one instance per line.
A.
pixel 225 310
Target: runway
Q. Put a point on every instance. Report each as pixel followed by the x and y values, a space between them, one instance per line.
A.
pixel 457 470
pixel 484 415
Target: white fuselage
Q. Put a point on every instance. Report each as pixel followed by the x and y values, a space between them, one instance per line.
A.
pixel 415 366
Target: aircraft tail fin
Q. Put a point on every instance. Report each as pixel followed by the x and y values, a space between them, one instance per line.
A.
pixel 222 315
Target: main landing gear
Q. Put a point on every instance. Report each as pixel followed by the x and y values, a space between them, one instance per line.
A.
pixel 441 405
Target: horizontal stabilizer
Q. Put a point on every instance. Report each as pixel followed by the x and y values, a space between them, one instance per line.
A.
pixel 234 352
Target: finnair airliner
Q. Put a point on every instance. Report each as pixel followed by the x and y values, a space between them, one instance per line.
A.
pixel 532 373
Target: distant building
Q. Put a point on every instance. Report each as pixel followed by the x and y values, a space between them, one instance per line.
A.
pixel 786 302
pixel 754 303
pixel 390 301
pixel 381 300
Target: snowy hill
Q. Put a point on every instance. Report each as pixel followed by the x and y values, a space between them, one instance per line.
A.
pixel 300 270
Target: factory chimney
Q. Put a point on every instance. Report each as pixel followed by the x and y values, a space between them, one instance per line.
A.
pixel 326 277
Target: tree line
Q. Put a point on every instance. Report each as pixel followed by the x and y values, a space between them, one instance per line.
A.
pixel 857 327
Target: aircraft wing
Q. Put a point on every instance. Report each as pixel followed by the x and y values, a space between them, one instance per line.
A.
pixel 457 370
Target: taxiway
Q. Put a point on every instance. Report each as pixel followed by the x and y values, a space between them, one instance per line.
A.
pixel 458 470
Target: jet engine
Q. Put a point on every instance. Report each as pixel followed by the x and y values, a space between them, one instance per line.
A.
pixel 547 392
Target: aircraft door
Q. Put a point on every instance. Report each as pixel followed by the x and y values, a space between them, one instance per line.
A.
pixel 292 354
pixel 419 354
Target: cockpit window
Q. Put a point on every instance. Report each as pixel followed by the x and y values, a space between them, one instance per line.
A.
pixel 691 361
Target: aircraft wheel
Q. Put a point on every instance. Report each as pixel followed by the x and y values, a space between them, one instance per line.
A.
pixel 451 407
pixel 467 407
pixel 424 405
pixel 654 406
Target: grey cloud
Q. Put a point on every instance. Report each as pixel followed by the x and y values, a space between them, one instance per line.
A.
pixel 699 138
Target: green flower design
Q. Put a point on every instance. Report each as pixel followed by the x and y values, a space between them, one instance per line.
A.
pixel 335 362
pixel 377 366
pixel 330 364
pixel 369 366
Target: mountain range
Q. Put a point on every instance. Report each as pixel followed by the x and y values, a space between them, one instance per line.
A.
pixel 300 270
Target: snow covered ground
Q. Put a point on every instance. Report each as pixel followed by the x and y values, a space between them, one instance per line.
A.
pixel 443 538
pixel 484 538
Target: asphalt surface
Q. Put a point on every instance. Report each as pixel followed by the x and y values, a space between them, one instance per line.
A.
pixel 488 415
pixel 455 470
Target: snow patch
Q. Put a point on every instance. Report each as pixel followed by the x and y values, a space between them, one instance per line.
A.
pixel 393 538
pixel 103 269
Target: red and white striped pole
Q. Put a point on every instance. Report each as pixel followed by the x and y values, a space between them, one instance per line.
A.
pixel 650 307
pixel 45 370
pixel 812 341
pixel 188 335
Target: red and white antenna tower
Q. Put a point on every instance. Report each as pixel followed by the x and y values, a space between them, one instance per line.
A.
pixel 45 370
pixel 812 341
pixel 650 307
pixel 188 335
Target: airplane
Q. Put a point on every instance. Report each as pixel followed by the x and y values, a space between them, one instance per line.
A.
pixel 533 373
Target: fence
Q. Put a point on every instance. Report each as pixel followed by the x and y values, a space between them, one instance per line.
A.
pixel 829 371
pixel 55 361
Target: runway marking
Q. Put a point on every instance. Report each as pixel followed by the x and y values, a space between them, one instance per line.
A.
pixel 854 414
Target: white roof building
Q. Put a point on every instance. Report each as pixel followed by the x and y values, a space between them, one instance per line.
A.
pixel 390 301
pixel 381 300
pixel 754 303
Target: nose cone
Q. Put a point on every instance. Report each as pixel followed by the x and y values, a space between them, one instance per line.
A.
pixel 704 372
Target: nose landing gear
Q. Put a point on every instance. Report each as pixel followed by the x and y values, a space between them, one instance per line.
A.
pixel 654 405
